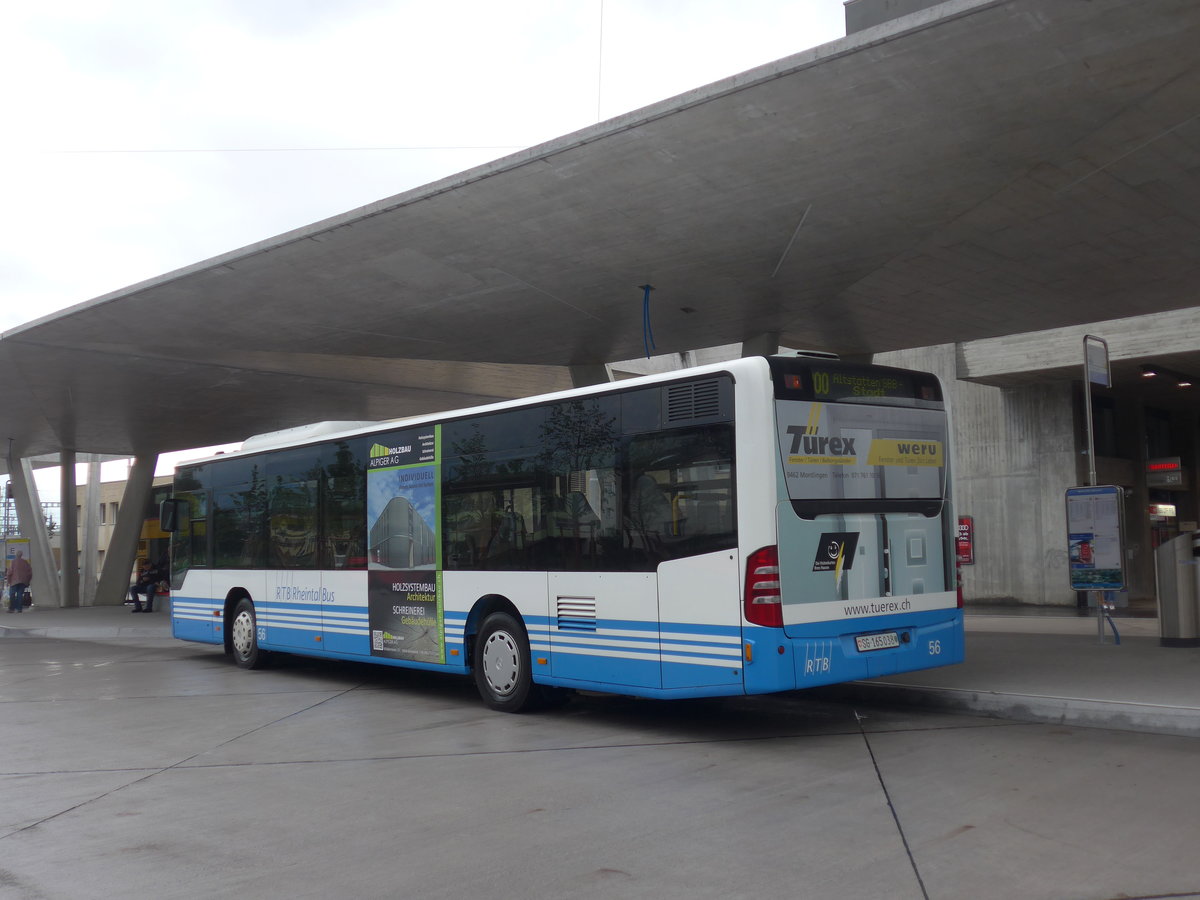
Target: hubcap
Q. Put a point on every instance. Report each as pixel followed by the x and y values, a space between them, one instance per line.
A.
pixel 243 633
pixel 501 663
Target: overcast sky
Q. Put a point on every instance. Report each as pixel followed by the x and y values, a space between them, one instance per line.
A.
pixel 143 135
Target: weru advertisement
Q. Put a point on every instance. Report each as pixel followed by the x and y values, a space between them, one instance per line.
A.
pixel 404 575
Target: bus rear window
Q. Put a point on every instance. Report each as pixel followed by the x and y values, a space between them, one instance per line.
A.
pixel 839 453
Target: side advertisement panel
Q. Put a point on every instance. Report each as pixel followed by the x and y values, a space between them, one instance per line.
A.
pixel 404 569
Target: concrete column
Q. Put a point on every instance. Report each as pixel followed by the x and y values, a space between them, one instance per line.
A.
pixel 91 534
pixel 68 540
pixel 117 574
pixel 589 374
pixel 33 526
pixel 765 344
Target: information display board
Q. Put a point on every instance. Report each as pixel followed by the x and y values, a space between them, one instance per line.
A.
pixel 1096 537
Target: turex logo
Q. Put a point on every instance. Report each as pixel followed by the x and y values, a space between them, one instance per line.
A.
pixel 809 447
pixel 817 445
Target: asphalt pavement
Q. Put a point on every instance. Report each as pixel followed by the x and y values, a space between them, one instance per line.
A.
pixel 1033 668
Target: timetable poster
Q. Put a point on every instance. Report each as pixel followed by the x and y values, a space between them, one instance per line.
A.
pixel 404 576
pixel 1095 538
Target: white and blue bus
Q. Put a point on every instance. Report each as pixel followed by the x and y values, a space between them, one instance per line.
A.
pixel 760 525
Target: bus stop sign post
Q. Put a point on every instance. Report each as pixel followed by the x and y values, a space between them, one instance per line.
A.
pixel 1095 371
pixel 1093 510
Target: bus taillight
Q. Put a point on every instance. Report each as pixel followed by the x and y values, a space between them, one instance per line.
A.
pixel 763 602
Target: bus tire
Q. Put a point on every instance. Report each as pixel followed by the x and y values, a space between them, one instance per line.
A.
pixel 243 634
pixel 501 664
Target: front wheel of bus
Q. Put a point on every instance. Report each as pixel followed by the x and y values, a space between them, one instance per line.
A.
pixel 243 635
pixel 501 663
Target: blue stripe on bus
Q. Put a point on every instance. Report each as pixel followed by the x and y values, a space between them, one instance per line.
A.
pixel 636 661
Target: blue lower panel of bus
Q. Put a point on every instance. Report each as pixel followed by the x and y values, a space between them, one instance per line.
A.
pixel 194 620
pixel 646 659
pixel 679 661
pixel 821 655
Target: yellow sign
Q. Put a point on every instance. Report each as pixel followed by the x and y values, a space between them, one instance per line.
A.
pixel 905 453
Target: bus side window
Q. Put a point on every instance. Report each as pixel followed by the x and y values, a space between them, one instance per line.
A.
pixel 680 499
pixel 189 542
pixel 239 519
pixel 343 543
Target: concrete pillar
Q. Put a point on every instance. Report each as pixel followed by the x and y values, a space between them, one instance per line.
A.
pixel 91 534
pixel 765 344
pixel 32 525
pixel 589 374
pixel 117 573
pixel 68 536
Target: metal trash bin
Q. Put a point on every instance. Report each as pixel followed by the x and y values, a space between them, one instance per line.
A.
pixel 1177 563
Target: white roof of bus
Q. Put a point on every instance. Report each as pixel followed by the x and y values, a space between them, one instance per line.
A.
pixel 319 433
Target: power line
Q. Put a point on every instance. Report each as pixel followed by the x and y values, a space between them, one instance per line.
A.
pixel 288 149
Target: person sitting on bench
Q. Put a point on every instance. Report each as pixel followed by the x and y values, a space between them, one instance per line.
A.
pixel 147 583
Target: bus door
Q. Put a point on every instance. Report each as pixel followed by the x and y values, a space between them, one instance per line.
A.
pixel 192 612
pixel 604 627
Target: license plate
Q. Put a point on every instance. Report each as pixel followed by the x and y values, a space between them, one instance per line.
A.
pixel 884 641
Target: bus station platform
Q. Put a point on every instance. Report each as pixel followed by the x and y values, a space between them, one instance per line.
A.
pixel 1033 668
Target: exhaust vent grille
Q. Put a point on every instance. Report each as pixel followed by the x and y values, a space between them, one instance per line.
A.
pixel 694 400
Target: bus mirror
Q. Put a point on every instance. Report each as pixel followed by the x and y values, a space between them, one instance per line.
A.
pixel 171 514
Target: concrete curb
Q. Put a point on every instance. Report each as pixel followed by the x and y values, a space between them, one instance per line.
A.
pixel 1078 711
pixel 84 634
pixel 13 627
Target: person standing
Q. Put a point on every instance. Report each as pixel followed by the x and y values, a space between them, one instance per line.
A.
pixel 20 576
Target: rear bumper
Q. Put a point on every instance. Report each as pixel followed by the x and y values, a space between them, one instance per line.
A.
pixel 827 653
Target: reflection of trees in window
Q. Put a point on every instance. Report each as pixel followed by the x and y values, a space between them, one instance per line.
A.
pixel 568 494
pixel 577 436
pixel 578 453
pixel 465 512
pixel 344 510
pixel 239 513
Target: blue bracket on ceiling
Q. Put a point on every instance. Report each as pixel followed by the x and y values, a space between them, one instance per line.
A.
pixel 647 331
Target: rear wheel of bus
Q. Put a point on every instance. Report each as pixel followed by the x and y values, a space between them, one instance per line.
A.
pixel 501 664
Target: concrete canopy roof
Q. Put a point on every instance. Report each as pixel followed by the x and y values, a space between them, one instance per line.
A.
pixel 981 168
